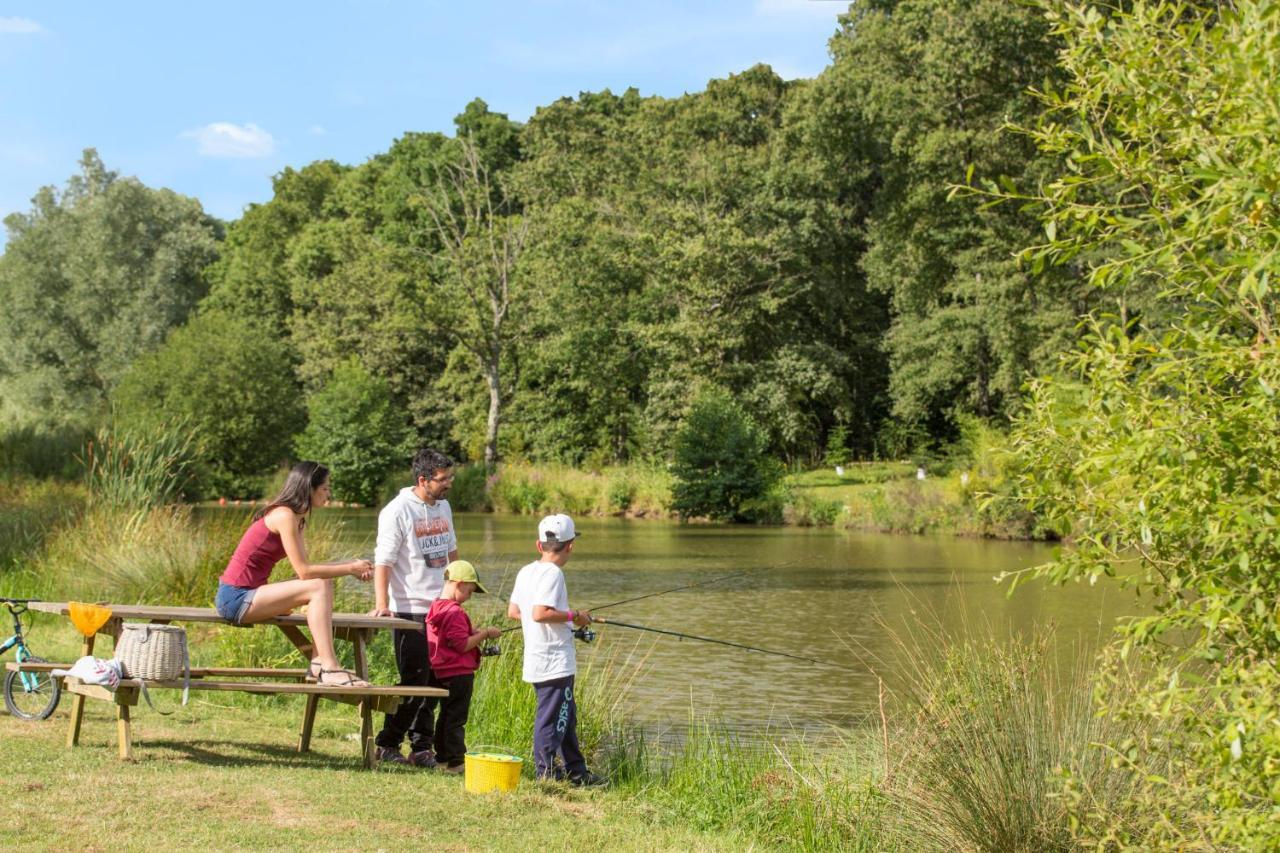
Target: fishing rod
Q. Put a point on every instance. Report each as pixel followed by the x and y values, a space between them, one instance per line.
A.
pixel 602 620
pixel 582 633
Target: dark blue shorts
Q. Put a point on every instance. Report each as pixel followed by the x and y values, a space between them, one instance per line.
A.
pixel 233 602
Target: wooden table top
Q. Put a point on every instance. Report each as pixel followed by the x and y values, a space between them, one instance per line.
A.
pixel 208 614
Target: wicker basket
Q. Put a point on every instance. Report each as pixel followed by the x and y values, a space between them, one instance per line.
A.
pixel 152 652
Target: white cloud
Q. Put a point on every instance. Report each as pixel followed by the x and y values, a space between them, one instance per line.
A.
pixel 815 8
pixel 788 71
pixel 224 139
pixel 19 26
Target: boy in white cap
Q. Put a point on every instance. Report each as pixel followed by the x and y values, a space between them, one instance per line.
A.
pixel 541 603
pixel 454 646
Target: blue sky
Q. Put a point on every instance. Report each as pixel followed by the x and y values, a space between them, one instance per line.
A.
pixel 211 100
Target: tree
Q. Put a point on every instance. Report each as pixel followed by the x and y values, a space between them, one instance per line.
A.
pixel 234 387
pixel 356 429
pixel 92 278
pixel 474 278
pixel 1158 443
pixel 720 463
pixel 930 84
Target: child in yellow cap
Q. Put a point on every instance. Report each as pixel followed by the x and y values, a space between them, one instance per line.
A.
pixel 454 647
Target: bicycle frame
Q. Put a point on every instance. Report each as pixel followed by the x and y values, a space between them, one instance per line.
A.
pixel 28 679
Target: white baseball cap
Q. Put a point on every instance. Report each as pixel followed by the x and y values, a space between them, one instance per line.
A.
pixel 560 526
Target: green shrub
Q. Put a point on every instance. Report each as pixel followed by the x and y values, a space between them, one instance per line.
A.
pixel 470 492
pixel 838 446
pixel 620 494
pixel 233 385
pixel 720 464
pixel 356 430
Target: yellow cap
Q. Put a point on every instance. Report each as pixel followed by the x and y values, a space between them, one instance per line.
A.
pixel 461 570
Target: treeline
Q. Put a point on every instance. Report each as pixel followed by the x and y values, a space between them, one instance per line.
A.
pixel 563 289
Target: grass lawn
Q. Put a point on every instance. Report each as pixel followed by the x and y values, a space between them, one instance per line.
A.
pixel 219 775
pixel 860 479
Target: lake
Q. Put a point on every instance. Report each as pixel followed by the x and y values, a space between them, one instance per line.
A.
pixel 847 598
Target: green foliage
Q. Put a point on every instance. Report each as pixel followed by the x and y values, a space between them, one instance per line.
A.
pixel 931 83
pixel 91 278
pixel 470 492
pixel 720 463
pixel 29 512
pixel 232 385
pixel 837 446
pixel 1158 446
pixel 40 451
pixel 356 430
pixel 140 468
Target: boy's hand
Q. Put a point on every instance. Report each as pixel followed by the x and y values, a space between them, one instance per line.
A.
pixel 380 611
pixel 581 618
pixel 492 633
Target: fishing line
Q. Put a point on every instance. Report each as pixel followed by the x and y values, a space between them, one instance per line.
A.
pixel 602 620
pixel 675 589
pixel 704 582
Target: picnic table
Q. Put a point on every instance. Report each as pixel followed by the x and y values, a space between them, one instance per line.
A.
pixel 356 628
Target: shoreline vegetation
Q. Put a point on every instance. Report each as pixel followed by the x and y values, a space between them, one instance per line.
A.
pixel 872 497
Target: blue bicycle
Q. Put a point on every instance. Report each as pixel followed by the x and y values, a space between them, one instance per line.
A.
pixel 29 695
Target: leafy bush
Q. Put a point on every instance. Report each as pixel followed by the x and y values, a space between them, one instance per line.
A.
pixel 233 385
pixel 470 492
pixel 356 430
pixel 720 464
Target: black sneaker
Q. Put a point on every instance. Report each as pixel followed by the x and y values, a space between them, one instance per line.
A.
pixel 588 780
pixel 424 758
pixel 389 755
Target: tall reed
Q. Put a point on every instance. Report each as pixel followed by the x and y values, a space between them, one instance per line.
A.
pixel 141 468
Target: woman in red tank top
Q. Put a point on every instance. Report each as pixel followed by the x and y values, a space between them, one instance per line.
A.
pixel 245 597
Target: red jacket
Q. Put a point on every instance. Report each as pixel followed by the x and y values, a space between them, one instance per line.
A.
pixel 448 629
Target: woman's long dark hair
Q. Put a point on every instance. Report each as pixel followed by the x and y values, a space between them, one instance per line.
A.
pixel 303 479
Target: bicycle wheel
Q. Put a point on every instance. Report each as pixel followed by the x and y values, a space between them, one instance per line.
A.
pixel 36 703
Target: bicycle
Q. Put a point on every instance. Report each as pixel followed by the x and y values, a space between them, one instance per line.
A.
pixel 28 695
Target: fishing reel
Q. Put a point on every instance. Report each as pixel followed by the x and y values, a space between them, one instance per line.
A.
pixel 491 650
pixel 585 634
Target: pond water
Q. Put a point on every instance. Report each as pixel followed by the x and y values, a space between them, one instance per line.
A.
pixel 847 598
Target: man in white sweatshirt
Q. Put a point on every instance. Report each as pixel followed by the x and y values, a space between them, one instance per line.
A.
pixel 416 540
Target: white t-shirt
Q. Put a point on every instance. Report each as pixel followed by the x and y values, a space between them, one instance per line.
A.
pixel 415 539
pixel 548 646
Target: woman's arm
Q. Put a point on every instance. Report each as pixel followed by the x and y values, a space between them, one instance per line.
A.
pixel 285 521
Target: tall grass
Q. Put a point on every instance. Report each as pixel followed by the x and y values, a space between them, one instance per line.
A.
pixel 30 512
pixel 40 453
pixel 986 735
pixel 531 490
pixel 141 468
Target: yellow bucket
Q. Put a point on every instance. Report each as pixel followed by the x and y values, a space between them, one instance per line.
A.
pixel 491 771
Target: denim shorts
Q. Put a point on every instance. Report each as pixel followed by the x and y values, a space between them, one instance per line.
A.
pixel 233 602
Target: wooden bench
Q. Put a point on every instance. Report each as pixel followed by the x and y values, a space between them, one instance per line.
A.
pixel 380 698
pixel 354 627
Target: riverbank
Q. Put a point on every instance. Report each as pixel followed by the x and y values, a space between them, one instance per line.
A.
pixel 876 497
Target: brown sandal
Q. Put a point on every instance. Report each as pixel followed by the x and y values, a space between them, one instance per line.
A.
pixel 313 672
pixel 352 680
